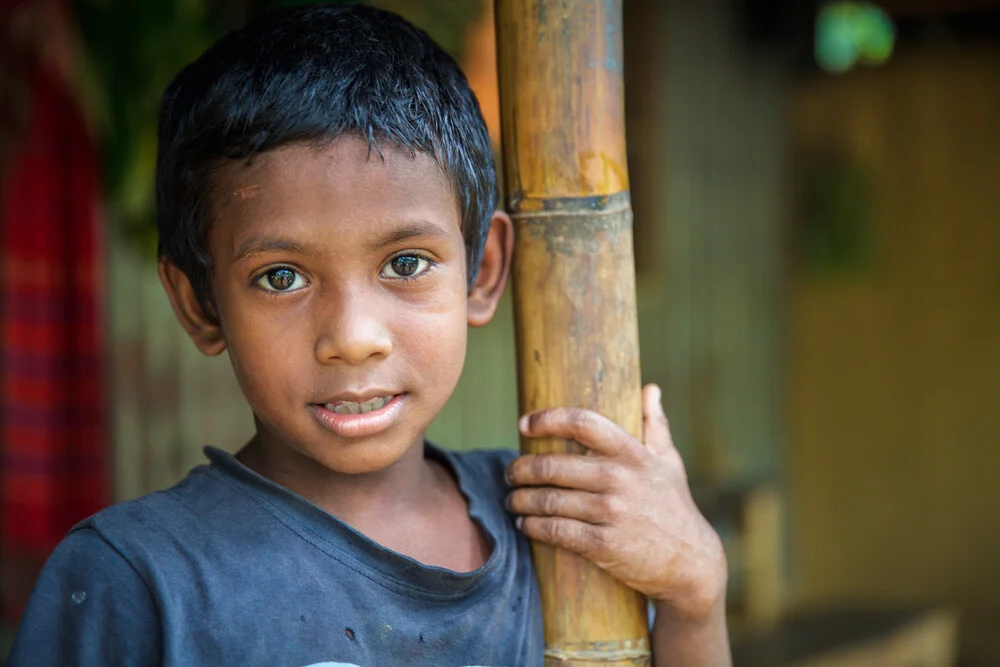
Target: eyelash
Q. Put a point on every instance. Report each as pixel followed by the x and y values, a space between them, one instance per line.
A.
pixel 409 253
pixel 260 277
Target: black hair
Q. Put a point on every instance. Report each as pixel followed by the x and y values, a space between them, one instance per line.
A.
pixel 309 75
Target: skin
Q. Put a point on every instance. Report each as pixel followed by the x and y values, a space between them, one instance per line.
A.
pixel 345 325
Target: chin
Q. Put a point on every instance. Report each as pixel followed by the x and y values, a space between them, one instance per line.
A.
pixel 338 453
pixel 361 458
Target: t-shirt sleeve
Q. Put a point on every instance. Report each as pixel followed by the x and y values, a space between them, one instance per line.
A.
pixel 89 607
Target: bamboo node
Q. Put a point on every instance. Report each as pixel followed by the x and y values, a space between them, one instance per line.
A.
pixel 612 651
pixel 542 207
pixel 578 233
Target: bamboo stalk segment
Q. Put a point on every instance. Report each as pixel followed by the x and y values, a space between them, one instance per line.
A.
pixel 566 186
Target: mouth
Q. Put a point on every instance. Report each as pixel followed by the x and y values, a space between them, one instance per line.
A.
pixel 360 418
pixel 352 408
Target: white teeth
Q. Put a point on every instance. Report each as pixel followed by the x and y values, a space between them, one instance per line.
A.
pixel 350 408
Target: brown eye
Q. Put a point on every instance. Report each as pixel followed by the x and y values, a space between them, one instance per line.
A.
pixel 281 279
pixel 405 266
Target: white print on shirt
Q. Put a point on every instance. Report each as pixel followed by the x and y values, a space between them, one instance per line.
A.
pixel 351 664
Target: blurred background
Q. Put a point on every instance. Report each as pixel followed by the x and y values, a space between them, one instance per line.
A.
pixel 816 188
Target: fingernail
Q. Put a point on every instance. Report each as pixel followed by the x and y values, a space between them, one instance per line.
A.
pixel 522 424
pixel 506 476
pixel 518 522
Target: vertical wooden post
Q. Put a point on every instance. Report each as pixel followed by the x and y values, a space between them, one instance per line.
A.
pixel 566 184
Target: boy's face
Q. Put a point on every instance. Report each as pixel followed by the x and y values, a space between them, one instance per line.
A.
pixel 341 290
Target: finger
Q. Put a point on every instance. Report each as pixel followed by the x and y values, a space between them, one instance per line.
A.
pixel 577 536
pixel 552 501
pixel 570 471
pixel 655 427
pixel 594 431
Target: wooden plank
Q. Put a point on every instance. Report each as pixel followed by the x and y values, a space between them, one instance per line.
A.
pixel 855 638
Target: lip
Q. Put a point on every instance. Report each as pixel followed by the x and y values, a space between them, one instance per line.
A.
pixel 358 426
pixel 357 396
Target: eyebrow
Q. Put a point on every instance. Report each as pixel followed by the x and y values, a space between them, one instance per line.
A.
pixel 406 231
pixel 259 246
pixel 414 229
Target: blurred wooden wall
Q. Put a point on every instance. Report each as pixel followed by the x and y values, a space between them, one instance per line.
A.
pixel 708 154
pixel 167 399
pixel 894 399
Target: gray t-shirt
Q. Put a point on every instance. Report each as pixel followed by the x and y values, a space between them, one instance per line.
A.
pixel 228 568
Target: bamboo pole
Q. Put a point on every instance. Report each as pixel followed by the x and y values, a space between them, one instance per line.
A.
pixel 566 186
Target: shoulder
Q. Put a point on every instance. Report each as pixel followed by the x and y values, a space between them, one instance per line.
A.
pixel 158 512
pixel 89 607
pixel 173 532
pixel 86 556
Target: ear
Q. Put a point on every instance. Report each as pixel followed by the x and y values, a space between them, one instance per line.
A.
pixel 206 334
pixel 493 270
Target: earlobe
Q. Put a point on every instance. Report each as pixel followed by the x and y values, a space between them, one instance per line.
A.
pixel 493 270
pixel 203 330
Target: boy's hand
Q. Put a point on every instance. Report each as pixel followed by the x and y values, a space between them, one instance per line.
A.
pixel 624 505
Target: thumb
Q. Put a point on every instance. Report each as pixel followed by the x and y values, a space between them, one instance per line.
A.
pixel 655 427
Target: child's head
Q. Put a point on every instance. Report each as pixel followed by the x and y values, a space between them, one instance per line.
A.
pixel 311 75
pixel 326 196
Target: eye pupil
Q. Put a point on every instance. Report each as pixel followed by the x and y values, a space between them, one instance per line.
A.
pixel 405 265
pixel 281 279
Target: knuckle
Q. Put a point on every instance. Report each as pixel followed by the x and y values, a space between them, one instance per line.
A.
pixel 553 531
pixel 597 539
pixel 623 441
pixel 544 467
pixel 549 502
pixel 567 534
pixel 613 476
pixel 579 420
pixel 613 507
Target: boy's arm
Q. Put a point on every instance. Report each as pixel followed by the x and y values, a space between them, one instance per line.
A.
pixel 679 642
pixel 89 607
pixel 627 507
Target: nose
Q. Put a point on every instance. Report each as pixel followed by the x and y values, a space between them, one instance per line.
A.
pixel 353 329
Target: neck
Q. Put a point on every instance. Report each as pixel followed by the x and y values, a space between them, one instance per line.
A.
pixel 412 506
pixel 356 499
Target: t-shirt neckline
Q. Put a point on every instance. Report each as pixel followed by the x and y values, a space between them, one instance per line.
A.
pixel 356 550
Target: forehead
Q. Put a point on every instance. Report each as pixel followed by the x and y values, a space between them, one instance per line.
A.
pixel 344 184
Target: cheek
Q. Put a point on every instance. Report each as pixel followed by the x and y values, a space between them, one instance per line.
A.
pixel 432 339
pixel 262 350
pixel 260 368
pixel 436 340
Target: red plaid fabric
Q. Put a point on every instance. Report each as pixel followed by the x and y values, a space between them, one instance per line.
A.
pixel 53 403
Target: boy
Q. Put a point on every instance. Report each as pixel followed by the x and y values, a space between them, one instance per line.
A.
pixel 326 207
